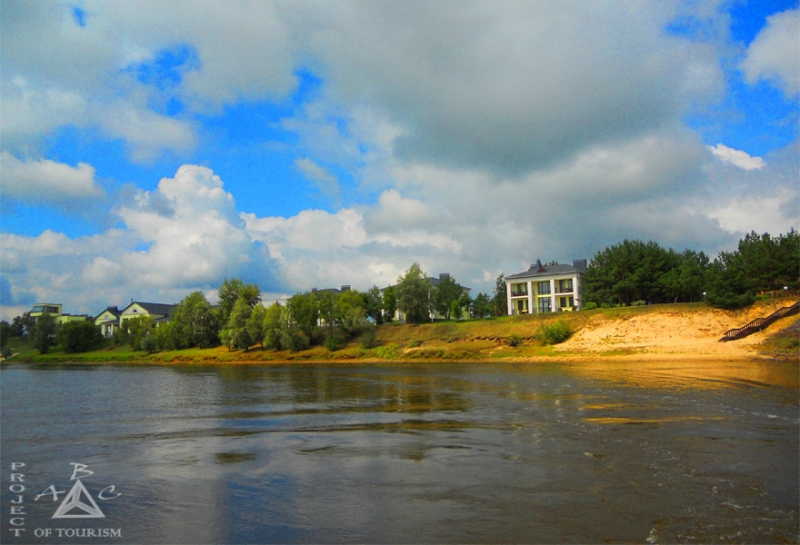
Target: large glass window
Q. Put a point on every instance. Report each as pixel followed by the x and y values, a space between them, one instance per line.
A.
pixel 519 289
pixel 544 288
pixel 544 304
pixel 565 286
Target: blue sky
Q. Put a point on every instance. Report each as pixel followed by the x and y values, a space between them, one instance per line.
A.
pixel 151 149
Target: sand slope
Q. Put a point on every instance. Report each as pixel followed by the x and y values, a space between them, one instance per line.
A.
pixel 672 333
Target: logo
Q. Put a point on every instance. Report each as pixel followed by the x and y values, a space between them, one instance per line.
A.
pixel 73 500
pixel 79 503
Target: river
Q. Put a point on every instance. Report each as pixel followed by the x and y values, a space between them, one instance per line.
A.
pixel 605 452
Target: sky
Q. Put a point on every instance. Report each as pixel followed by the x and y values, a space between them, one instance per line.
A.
pixel 149 149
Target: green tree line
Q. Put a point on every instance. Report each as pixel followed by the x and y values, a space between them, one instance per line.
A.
pixel 635 272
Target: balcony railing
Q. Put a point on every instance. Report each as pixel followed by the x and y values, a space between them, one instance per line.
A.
pixel 519 293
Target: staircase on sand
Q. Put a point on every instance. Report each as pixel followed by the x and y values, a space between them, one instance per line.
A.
pixel 760 323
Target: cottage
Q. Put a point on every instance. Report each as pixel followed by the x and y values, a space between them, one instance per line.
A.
pixel 108 321
pixel 158 312
pixel 545 288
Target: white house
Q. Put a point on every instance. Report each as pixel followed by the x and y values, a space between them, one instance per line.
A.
pixel 545 288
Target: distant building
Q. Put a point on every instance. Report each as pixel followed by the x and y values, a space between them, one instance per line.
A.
pixel 108 321
pixel 545 288
pixel 158 312
pixel 56 311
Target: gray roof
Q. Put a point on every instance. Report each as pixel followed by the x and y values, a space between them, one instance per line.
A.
pixel 545 270
pixel 153 308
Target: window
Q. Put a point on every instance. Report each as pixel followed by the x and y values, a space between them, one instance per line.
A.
pixel 544 288
pixel 519 289
pixel 565 286
pixel 522 306
pixel 544 304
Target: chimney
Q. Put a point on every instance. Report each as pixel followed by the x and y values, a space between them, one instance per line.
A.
pixel 537 265
pixel 579 264
pixel 346 287
pixel 444 276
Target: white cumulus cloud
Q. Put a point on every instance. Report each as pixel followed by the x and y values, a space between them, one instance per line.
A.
pixel 774 55
pixel 737 157
pixel 45 181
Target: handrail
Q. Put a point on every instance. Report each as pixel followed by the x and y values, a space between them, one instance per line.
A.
pixel 760 323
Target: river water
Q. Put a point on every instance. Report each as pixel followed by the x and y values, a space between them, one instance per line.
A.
pixel 401 453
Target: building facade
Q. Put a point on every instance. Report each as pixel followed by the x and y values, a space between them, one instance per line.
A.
pixel 545 288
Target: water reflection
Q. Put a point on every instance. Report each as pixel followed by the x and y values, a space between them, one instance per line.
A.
pixel 418 453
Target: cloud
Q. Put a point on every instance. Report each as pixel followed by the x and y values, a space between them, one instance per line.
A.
pixel 48 182
pixel 774 214
pixel 774 55
pixel 737 157
pixel 156 256
pixel 324 180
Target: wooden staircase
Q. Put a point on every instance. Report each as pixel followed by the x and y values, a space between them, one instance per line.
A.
pixel 760 323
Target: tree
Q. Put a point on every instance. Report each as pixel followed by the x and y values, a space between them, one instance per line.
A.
pixel 5 333
pixel 444 295
pixel 389 304
pixel 194 323
pixel 413 295
pixel 351 314
pixel 231 291
pixel 136 329
pixel 44 333
pixel 78 336
pixel 482 306
pixel 255 324
pixel 499 297
pixel 275 320
pixel 374 304
pixel 22 325
pixel 235 333
pixel 304 312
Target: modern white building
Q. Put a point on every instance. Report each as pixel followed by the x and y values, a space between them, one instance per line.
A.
pixel 545 288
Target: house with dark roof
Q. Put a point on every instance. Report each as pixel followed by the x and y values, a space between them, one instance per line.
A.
pixel 158 312
pixel 108 321
pixel 545 288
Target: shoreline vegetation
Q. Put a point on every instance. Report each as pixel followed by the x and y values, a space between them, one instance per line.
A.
pixel 683 331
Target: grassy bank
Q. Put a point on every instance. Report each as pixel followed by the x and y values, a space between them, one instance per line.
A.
pixel 618 332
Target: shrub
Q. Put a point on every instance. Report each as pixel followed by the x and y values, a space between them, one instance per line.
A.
pixel 369 339
pixel 6 351
pixel 294 340
pixel 148 343
pixel 639 303
pixel 78 336
pixel 553 333
pixel 388 352
pixel 333 341
pixel 272 338
pixel 605 305
pixel 415 343
pixel 590 306
pixel 514 340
